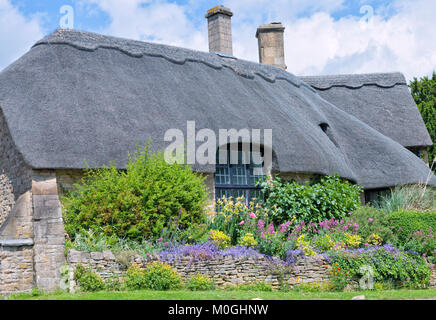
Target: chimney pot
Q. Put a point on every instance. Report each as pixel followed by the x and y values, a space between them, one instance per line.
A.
pixel 220 30
pixel 271 44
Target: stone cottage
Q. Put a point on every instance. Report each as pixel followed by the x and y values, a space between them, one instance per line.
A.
pixel 78 96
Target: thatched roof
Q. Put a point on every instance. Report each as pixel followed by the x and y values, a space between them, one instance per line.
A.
pixel 79 96
pixel 381 100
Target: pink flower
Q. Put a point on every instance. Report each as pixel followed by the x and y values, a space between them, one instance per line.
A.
pixel 271 229
pixel 160 239
pixel 147 254
pixel 242 223
pixel 252 215
pixel 370 220
pixel 262 235
pixel 261 224
pixel 366 244
pixel 166 243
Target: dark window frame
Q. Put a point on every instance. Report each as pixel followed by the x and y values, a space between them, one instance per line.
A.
pixel 232 186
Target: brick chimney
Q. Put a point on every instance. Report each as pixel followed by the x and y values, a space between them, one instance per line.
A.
pixel 271 44
pixel 220 30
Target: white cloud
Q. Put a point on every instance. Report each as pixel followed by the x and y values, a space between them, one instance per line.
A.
pixel 315 43
pixel 155 20
pixel 403 42
pixel 17 33
pixel 400 36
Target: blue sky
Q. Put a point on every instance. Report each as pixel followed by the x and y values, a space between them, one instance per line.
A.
pixel 321 37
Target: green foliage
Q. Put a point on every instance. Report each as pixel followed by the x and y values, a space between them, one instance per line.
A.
pixel 305 246
pixel 92 241
pixel 339 278
pixel 233 217
pixel 248 240
pixel 259 286
pixel 424 93
pixel 138 202
pixel 324 242
pixel 352 240
pixel 113 283
pixel 88 280
pixel 410 197
pixel 331 197
pixel 387 263
pixel 372 221
pixel 405 223
pixel 315 286
pixel 156 276
pixel 274 243
pixel 199 282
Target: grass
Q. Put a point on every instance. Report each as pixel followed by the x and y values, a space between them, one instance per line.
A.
pixel 230 295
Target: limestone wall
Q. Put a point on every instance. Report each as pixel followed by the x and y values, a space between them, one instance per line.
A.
pixel 224 270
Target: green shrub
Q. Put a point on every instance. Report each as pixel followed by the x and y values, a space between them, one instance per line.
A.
pixel 199 282
pixel 113 283
pixel 88 280
pixel 324 242
pixel 387 263
pixel 137 202
pixel 331 197
pixel 156 276
pixel 248 240
pixel 405 223
pixel 372 221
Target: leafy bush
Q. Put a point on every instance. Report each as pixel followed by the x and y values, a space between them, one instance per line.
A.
pixel 88 280
pixel 272 242
pixel 411 197
pixel 405 223
pixel 324 243
pixel 339 278
pixel 372 221
pixel 113 283
pixel 352 241
pixel 199 282
pixel 156 276
pixel 331 197
pixel 137 202
pixel 388 264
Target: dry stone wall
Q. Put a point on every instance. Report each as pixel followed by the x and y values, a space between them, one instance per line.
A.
pixel 224 270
